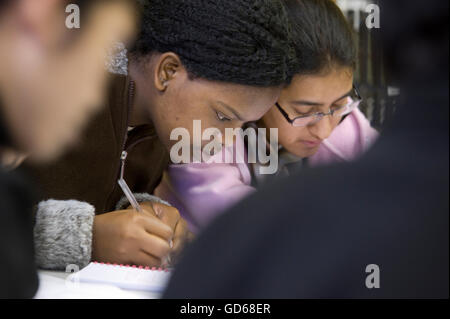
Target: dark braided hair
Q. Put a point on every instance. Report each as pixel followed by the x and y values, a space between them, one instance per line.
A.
pixel 323 38
pixel 239 41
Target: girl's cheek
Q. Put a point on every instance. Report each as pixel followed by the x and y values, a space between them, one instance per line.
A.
pixel 335 123
pixel 289 136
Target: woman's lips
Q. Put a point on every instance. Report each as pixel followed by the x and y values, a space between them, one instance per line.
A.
pixel 310 144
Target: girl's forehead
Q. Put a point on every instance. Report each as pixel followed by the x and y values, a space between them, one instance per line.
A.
pixel 333 84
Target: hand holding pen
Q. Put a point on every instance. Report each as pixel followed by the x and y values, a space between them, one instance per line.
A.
pixel 169 215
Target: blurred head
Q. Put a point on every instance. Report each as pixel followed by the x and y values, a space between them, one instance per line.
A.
pixel 324 76
pixel 223 62
pixel 53 78
pixel 415 41
pixel 416 50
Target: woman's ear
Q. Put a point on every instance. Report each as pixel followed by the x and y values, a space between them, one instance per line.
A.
pixel 167 69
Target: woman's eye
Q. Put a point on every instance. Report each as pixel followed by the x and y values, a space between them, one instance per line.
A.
pixel 222 117
pixel 337 107
pixel 304 111
pixel 305 114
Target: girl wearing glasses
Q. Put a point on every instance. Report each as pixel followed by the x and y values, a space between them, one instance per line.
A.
pixel 317 117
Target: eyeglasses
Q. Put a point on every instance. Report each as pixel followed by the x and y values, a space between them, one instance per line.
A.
pixel 353 101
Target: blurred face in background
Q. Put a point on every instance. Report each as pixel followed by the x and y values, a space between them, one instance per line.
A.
pixel 53 78
pixel 309 94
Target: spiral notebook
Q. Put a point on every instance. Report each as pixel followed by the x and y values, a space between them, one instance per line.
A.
pixel 124 276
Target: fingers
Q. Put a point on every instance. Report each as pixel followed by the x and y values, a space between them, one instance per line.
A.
pixel 180 236
pixel 154 226
pixel 166 231
pixel 147 209
pixel 154 245
pixel 144 259
pixel 168 215
pixel 171 217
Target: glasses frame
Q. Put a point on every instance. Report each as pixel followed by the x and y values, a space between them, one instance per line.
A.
pixel 320 115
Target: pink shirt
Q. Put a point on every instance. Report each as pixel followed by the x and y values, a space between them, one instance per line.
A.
pixel 203 191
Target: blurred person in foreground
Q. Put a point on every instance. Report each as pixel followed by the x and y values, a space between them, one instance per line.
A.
pixel 52 80
pixel 387 211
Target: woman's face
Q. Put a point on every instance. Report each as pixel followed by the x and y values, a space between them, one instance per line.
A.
pixel 217 105
pixel 307 95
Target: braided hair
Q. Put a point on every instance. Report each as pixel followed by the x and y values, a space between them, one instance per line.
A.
pixel 238 41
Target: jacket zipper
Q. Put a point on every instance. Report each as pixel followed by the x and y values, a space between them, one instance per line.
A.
pixel 124 155
pixel 125 150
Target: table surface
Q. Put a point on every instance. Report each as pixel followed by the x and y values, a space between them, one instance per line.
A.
pixel 54 285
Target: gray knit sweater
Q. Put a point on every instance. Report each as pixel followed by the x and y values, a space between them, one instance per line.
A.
pixel 63 231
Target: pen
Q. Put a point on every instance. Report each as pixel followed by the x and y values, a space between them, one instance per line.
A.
pixel 124 186
pixel 129 194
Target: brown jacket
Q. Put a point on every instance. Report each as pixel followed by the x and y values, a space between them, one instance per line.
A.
pixel 89 173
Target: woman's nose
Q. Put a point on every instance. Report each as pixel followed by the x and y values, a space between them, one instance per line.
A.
pixel 322 129
pixel 227 141
pixel 230 132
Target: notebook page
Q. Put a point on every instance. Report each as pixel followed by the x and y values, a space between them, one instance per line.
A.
pixel 125 277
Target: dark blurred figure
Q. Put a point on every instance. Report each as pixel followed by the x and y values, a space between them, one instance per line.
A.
pixel 390 209
pixel 51 81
